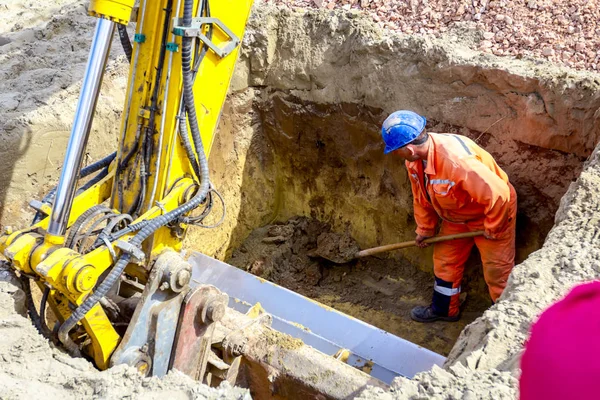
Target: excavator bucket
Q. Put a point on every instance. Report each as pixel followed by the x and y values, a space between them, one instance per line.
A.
pixel 370 349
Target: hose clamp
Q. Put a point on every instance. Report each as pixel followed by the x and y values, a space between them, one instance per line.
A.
pixel 108 246
pixel 136 253
pixel 197 28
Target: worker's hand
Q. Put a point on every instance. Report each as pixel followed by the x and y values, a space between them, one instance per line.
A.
pixel 420 241
pixel 488 236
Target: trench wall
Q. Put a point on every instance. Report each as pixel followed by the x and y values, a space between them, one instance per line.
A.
pixel 300 132
pixel 317 87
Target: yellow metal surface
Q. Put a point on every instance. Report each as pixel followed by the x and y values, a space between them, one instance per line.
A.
pixel 115 10
pixel 104 338
pixel 97 194
pixel 20 250
pixel 8 238
pixel 54 239
pixel 210 90
pixel 71 276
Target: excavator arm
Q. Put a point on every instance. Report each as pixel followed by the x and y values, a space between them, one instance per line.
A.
pixel 146 195
pixel 107 253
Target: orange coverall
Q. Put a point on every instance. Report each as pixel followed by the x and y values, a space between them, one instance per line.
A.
pixel 468 191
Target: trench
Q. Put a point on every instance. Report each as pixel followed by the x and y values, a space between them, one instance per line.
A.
pixel 298 152
pixel 294 169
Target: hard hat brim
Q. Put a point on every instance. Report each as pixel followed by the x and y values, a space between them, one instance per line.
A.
pixel 389 149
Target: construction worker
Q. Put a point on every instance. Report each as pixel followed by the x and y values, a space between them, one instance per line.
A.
pixel 457 183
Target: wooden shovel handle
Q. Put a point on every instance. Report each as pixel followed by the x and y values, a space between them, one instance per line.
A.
pixel 403 245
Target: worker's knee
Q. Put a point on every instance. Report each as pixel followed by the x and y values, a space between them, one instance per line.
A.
pixel 447 272
pixel 496 276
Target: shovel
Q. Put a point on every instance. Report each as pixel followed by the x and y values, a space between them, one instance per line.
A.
pixel 343 251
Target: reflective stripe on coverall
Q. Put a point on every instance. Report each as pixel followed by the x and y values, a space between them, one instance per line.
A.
pixel 469 192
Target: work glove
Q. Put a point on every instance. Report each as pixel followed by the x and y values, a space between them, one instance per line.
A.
pixel 419 239
pixel 489 236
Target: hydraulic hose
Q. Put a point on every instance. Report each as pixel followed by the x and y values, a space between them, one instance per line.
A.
pixel 83 218
pixel 90 169
pixel 98 165
pixel 119 234
pixel 185 140
pixel 33 314
pixel 101 175
pixel 43 309
pixel 157 222
pixel 204 9
pixel 125 42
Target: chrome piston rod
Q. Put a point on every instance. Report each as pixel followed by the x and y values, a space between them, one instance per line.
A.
pixel 84 114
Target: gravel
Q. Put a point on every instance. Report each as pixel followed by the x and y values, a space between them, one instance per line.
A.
pixel 564 32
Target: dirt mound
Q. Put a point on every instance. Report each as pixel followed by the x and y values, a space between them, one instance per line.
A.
pixel 378 290
pixel 335 247
pixel 31 367
pixel 562 32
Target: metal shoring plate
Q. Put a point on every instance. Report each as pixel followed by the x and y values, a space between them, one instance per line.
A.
pixel 319 326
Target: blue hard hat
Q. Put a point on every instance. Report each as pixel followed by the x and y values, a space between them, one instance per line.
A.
pixel 401 128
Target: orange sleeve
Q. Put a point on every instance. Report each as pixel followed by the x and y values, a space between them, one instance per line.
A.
pixel 489 190
pixel 425 215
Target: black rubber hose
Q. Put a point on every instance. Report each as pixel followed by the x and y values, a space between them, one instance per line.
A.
pixel 204 10
pixel 119 234
pixel 90 169
pixel 92 230
pixel 154 224
pixel 43 310
pixel 33 314
pixel 125 42
pixel 82 220
pixel 185 140
pixel 98 165
pixel 101 175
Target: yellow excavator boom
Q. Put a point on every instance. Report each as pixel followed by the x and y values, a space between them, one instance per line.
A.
pixel 156 178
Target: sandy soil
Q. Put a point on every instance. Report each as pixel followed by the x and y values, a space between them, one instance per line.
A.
pixel 378 290
pixel 31 367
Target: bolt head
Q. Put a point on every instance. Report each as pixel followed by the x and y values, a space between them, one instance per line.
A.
pixel 143 367
pixel 183 277
pixel 177 273
pixel 215 311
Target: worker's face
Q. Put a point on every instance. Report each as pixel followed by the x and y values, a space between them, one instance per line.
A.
pixel 407 152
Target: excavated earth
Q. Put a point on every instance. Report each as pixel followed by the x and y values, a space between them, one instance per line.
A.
pixel 297 153
pixel 30 367
pixel 377 290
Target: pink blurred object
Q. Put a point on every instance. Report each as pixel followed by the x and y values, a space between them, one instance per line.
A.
pixel 562 355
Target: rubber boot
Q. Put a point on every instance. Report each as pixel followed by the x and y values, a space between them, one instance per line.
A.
pixel 426 314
